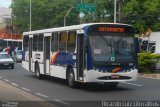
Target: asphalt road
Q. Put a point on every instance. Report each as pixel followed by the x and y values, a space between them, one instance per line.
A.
pixel 56 90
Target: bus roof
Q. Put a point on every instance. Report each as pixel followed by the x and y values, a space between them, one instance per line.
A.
pixel 17 40
pixel 73 27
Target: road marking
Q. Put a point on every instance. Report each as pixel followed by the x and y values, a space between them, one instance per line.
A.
pixel 42 95
pixel 62 102
pixel 15 84
pixel 149 77
pixel 6 80
pixel 26 89
pixel 132 84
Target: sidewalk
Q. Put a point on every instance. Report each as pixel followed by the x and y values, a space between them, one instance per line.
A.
pixel 12 96
pixel 154 76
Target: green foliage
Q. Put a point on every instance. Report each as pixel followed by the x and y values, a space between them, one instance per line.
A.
pixel 142 14
pixel 50 13
pixel 45 13
pixel 147 61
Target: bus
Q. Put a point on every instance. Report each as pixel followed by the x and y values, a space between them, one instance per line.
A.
pixel 85 53
pixel 4 43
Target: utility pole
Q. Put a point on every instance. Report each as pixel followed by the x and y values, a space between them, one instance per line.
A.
pixel 115 6
pixel 30 28
pixel 119 11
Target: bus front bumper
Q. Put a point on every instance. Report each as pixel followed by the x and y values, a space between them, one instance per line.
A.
pixel 95 76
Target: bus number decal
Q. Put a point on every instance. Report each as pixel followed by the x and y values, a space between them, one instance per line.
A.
pixel 37 56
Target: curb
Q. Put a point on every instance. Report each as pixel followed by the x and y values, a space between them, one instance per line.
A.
pixel 153 76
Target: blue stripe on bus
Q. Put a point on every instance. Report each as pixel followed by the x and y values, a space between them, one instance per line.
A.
pixel 64 58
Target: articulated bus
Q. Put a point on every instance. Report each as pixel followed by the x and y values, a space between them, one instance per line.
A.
pixel 86 53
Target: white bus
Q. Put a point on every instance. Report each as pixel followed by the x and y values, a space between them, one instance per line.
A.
pixel 4 43
pixel 95 52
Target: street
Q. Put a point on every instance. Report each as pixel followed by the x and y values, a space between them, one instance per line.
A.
pixel 52 89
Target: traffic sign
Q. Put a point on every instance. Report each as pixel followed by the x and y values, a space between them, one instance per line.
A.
pixel 81 15
pixel 85 8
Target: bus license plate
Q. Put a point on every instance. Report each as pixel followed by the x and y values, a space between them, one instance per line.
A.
pixel 115 76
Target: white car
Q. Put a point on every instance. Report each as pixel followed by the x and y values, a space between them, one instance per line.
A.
pixel 6 60
pixel 17 55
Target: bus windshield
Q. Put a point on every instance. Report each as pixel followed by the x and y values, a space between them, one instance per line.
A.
pixel 112 47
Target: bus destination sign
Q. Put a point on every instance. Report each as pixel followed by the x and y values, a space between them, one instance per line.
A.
pixel 111 29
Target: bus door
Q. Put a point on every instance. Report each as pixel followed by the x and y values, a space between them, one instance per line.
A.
pixel 47 54
pixel 30 53
pixel 80 56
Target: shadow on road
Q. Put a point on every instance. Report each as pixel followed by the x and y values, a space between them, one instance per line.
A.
pixel 92 87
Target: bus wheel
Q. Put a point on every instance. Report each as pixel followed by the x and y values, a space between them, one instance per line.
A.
pixel 37 71
pixel 71 78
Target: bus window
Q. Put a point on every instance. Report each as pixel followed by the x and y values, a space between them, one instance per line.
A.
pixel 20 45
pixel 1 41
pixel 54 42
pixel 26 43
pixel 40 42
pixel 1 45
pixel 71 42
pixel 4 44
pixel 35 42
pixel 10 43
pixel 62 41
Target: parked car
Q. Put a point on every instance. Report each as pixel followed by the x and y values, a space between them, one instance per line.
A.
pixel 6 60
pixel 17 55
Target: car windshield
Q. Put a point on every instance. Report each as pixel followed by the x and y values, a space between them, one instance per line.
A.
pixel 113 47
pixel 5 56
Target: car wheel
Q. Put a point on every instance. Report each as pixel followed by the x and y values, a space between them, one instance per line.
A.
pixel 71 78
pixel 37 71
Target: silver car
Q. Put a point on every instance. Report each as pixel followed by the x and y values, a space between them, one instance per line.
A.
pixel 6 60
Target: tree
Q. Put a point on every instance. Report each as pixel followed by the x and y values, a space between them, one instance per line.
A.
pixel 45 13
pixel 50 13
pixel 142 14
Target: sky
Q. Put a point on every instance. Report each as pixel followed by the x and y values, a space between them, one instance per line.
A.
pixel 5 3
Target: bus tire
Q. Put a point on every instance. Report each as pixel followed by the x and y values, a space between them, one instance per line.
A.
pixel 71 78
pixel 37 71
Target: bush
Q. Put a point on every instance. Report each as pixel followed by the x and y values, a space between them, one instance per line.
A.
pixel 147 61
